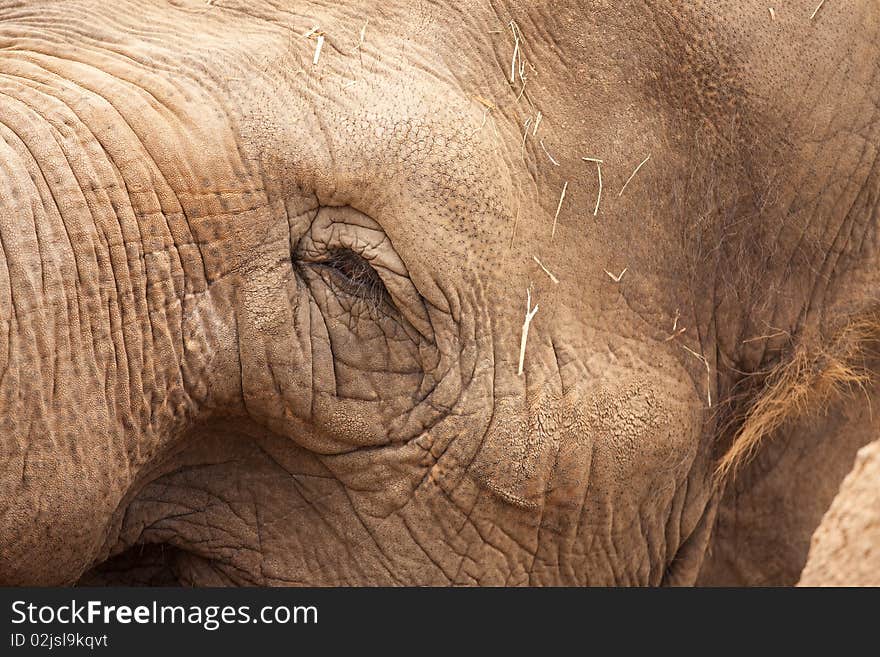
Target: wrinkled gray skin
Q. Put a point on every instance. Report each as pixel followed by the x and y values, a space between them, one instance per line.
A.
pixel 260 318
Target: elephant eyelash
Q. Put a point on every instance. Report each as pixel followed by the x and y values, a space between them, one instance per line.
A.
pixel 355 275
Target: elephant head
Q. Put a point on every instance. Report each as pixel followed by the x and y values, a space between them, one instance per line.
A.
pixel 432 293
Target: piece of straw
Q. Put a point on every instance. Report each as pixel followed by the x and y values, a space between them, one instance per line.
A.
pixel 513 28
pixel 546 153
pixel 517 63
pixel 558 208
pixel 526 125
pixel 546 271
pixel 360 44
pixel 515 222
pixel 708 372
pixel 318 47
pixel 598 163
pixel 620 193
pixel 530 314
pixel 483 123
pixel 769 336
pixel 537 123
pixel 675 334
pixel 485 103
pixel 617 278
pixel 816 10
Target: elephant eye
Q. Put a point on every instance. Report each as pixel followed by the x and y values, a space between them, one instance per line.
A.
pixel 355 274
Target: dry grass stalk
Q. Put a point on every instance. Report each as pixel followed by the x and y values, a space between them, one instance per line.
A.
pixel 772 14
pixel 769 336
pixel 530 314
pixel 546 271
pixel 598 163
pixel 537 123
pixel 526 125
pixel 522 91
pixel 618 277
pixel 633 175
pixel 816 10
pixel 558 208
pixel 318 35
pixel 515 223
pixel 486 111
pixel 360 44
pixel 485 103
pixel 544 148
pixel 318 47
pixel 517 63
pixel 805 386
pixel 708 372
pixel 488 106
pixel 513 28
pixel 675 330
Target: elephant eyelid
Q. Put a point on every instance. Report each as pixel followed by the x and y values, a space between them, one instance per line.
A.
pixel 355 273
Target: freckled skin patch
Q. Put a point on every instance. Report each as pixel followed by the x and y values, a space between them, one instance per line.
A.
pixel 265 312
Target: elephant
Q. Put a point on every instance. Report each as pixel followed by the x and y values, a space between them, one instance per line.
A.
pixel 433 293
pixel 845 549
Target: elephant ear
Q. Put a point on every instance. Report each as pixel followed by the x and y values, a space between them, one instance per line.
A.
pixel 845 550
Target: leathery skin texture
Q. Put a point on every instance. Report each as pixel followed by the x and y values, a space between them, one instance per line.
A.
pixel 265 268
